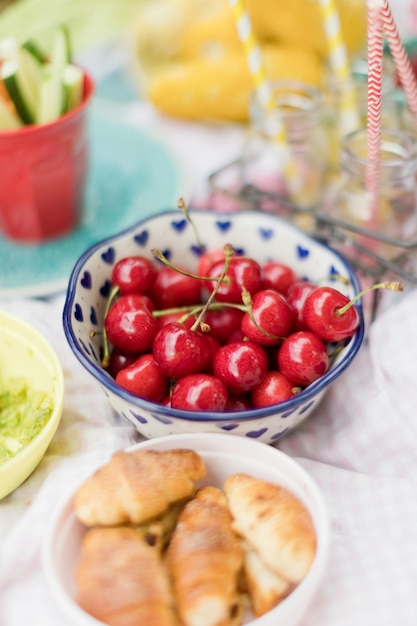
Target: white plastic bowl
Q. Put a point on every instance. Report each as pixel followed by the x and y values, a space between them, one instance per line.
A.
pixel 259 235
pixel 223 455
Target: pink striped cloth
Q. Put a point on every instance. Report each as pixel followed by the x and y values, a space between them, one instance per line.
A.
pixel 360 446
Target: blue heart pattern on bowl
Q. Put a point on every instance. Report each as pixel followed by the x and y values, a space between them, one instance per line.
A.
pixel 302 252
pixel 105 289
pixel 108 256
pixel 93 316
pixel 86 280
pixel 78 313
pixel 197 250
pixel 179 225
pixel 223 226
pixel 266 233
pixel 142 238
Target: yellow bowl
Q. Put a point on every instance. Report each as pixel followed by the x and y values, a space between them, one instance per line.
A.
pixel 25 354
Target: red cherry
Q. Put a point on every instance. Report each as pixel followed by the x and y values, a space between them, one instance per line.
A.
pixel 242 272
pixel 327 313
pixel 207 259
pixel 239 403
pixel 118 361
pixel 133 274
pixel 240 366
pixel 130 325
pixel 237 335
pixel 171 289
pixel 166 401
pixel 278 276
pixel 177 317
pixel 144 378
pixel 199 392
pixel 274 388
pixel 180 351
pixel 223 322
pixel 302 358
pixel 271 314
pixel 214 346
pixel 296 297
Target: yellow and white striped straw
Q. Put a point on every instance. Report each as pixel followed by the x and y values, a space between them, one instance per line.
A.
pixel 339 64
pixel 262 87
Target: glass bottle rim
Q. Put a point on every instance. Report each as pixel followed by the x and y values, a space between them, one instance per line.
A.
pixel 398 146
pixel 294 99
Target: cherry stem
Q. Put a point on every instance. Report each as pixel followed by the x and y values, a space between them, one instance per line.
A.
pixel 160 255
pixel 194 310
pixel 390 285
pixel 340 278
pixel 106 349
pixel 228 255
pixel 183 208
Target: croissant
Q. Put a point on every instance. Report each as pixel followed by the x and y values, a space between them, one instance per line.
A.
pixel 122 581
pixel 274 522
pixel 205 560
pixel 264 587
pixel 136 486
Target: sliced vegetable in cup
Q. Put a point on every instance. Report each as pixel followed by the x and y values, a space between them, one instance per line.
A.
pixel 38 87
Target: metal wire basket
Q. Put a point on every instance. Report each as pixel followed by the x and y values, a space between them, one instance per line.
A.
pixel 401 265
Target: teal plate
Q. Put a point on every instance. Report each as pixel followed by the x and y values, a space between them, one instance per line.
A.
pixel 132 176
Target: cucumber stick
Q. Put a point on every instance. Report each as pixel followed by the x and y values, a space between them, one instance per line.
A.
pixel 22 78
pixel 60 55
pixel 30 75
pixel 12 82
pixel 51 99
pixel 34 49
pixel 42 85
pixel 73 82
pixel 8 118
pixel 9 47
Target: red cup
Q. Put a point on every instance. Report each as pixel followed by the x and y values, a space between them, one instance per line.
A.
pixel 43 175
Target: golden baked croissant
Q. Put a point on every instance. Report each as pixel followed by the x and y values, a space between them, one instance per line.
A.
pixel 205 559
pixel 158 530
pixel 274 522
pixel 264 587
pixel 122 581
pixel 137 486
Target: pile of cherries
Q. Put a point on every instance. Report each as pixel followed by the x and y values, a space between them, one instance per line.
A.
pixel 234 336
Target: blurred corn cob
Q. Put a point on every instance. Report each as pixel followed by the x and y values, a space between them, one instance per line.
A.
pixel 190 62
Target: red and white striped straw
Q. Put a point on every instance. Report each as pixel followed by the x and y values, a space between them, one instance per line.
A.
pixel 401 60
pixel 375 68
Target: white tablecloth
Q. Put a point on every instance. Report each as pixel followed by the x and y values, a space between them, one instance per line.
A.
pixel 360 446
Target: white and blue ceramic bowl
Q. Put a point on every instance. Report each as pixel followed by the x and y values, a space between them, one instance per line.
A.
pixel 256 234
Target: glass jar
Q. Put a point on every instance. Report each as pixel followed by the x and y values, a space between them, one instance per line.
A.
pixel 408 118
pixel 299 112
pixel 335 93
pixel 396 218
pixel 397 190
